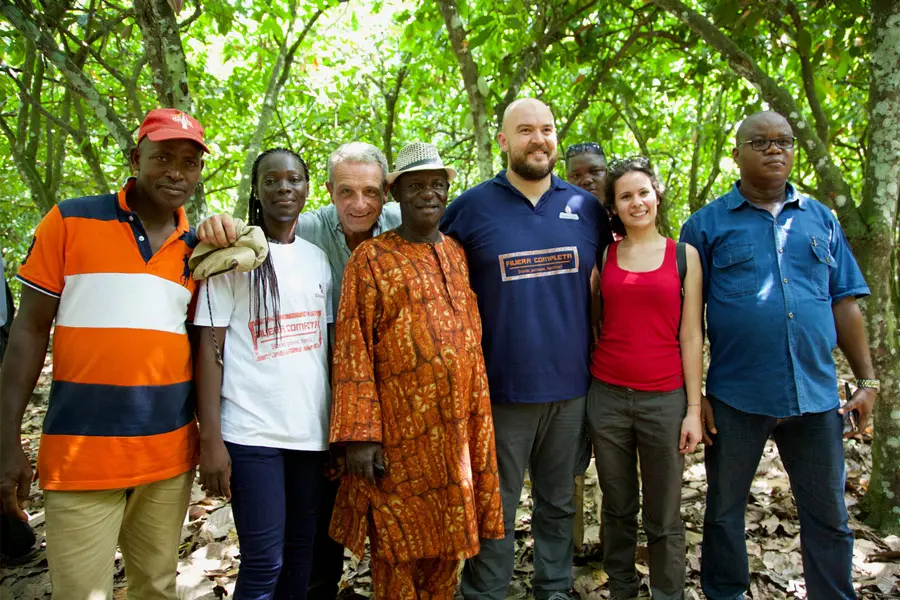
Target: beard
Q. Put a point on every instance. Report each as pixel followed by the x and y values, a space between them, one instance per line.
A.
pixel 519 164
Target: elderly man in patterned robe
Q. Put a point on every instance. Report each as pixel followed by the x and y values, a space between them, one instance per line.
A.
pixel 411 400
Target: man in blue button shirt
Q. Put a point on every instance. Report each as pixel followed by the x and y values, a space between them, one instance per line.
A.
pixel 531 240
pixel 780 286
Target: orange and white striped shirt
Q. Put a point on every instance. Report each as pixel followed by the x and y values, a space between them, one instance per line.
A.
pixel 121 409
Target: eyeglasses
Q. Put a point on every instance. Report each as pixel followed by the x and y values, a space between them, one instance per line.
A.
pixel 758 145
pixel 584 148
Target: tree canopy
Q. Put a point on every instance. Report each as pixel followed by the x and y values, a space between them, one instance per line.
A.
pixel 669 79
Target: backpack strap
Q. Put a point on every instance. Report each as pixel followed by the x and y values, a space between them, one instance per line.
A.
pixel 681 263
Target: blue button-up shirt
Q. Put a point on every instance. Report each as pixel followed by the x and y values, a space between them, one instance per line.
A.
pixel 769 283
pixel 323 228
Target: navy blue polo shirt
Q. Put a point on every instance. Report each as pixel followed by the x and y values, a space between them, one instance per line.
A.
pixel 530 266
pixel 769 283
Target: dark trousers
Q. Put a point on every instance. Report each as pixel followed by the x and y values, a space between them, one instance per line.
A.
pixel 275 498
pixel 545 438
pixel 328 555
pixel 812 451
pixel 623 425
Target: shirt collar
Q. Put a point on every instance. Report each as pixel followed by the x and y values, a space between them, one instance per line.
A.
pixel 734 199
pixel 180 215
pixel 338 229
pixel 555 182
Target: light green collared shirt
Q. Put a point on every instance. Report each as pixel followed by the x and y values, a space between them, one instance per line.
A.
pixel 322 228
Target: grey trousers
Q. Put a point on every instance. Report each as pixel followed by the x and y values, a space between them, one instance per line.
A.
pixel 623 424
pixel 545 438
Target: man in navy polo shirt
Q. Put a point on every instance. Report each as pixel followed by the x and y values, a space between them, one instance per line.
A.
pixel 780 285
pixel 531 240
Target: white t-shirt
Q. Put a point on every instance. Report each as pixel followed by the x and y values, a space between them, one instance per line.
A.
pixel 275 394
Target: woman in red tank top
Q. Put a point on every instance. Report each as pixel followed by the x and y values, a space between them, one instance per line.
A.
pixel 644 401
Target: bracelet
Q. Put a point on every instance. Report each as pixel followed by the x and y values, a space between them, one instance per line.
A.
pixel 874 384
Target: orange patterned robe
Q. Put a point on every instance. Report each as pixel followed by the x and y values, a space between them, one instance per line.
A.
pixel 409 374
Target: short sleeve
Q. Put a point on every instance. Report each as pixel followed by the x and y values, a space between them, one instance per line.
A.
pixel 846 278
pixel 606 237
pixel 308 228
pixel 44 266
pixel 329 290
pixel 691 236
pixel 450 222
pixel 215 301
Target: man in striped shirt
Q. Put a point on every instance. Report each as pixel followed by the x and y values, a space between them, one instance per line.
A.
pixel 119 442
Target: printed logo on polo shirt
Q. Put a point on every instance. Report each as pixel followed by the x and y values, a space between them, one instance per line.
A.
pixel 538 263
pixel 568 214
pixel 297 332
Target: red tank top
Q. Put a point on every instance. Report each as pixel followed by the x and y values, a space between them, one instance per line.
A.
pixel 638 346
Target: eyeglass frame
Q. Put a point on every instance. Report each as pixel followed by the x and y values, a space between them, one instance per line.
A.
pixel 769 143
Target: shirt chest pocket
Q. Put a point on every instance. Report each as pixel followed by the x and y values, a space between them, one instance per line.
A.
pixel 734 270
pixel 820 266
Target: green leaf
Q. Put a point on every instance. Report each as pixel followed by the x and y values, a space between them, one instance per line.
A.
pixel 481 37
pixel 483 87
pixel 482 21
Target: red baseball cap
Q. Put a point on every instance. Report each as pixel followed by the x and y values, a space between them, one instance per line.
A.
pixel 171 124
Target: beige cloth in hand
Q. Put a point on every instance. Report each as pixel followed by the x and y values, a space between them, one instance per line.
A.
pixel 245 254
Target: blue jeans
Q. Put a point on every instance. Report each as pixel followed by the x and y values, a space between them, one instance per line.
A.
pixel 275 499
pixel 328 555
pixel 812 451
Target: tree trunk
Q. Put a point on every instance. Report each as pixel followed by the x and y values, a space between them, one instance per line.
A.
pixel 836 192
pixel 876 254
pixel 471 80
pixel 391 97
pixel 280 72
pixel 165 55
pixel 75 78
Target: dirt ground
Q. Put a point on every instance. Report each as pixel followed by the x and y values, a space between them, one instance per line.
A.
pixel 210 554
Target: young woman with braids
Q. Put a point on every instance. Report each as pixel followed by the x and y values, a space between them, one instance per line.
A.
pixel 264 409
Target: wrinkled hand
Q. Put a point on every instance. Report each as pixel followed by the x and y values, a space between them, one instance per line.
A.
pixel 15 482
pixel 863 402
pixel 218 230
pixel 362 458
pixel 336 465
pixel 691 433
pixel 707 420
pixel 215 469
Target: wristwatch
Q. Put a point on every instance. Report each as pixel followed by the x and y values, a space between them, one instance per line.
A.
pixel 874 384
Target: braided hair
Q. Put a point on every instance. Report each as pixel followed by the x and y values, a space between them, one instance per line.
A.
pixel 263 280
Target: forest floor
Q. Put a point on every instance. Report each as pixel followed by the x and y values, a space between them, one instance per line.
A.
pixel 210 555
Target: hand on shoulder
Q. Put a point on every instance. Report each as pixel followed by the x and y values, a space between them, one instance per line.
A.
pixel 218 230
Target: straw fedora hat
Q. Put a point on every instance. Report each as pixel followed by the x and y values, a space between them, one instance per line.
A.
pixel 419 156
